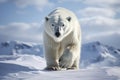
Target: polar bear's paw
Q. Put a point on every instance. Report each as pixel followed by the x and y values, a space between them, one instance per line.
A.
pixel 53 68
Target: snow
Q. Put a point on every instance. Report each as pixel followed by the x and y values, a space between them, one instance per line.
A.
pixel 17 47
pixel 27 67
pixel 20 64
pixel 98 55
pixel 114 72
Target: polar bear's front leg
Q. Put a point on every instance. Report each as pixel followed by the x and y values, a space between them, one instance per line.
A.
pixel 51 58
pixel 66 59
pixel 69 59
pixel 76 63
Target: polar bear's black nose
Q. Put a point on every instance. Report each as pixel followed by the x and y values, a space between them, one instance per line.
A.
pixel 57 34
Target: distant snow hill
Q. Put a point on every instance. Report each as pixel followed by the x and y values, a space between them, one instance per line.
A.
pixel 18 47
pixel 94 54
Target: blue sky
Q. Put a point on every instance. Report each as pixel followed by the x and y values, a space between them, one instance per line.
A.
pixel 22 19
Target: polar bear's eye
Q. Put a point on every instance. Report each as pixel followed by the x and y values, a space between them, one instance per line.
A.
pixel 53 25
pixel 62 24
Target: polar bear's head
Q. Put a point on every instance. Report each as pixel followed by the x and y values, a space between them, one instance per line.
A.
pixel 58 27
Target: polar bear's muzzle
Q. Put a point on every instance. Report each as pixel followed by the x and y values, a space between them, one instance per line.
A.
pixel 58 31
pixel 57 34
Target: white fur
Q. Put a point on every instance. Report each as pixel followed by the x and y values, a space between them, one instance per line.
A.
pixel 62 51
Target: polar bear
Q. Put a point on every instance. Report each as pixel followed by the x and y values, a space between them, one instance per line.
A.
pixel 62 40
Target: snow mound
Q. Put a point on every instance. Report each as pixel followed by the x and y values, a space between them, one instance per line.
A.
pixel 30 61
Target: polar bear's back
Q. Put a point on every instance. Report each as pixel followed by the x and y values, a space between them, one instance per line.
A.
pixel 63 12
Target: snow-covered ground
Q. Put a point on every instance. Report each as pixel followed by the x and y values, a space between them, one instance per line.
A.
pixel 23 61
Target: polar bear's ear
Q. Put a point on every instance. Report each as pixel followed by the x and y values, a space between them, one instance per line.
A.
pixel 46 18
pixel 68 18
